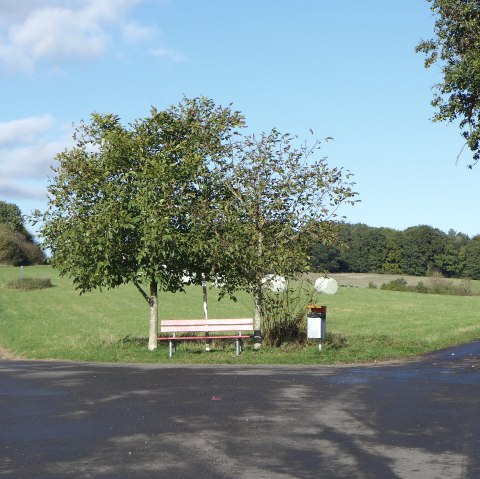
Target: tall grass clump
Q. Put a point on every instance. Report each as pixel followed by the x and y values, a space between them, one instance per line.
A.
pixel 29 284
pixel 284 313
pixel 437 285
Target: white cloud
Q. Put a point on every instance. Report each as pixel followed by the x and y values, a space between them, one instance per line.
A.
pixel 55 32
pixel 135 33
pixel 14 190
pixel 24 130
pixel 27 150
pixel 168 53
pixel 58 31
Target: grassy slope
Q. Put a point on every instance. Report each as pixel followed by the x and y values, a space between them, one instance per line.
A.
pixel 112 326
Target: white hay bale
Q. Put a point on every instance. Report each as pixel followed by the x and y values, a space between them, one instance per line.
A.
pixel 326 285
pixel 275 283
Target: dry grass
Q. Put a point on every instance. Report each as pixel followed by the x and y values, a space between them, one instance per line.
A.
pixel 362 280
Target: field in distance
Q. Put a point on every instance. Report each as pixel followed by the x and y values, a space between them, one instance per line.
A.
pixel 363 280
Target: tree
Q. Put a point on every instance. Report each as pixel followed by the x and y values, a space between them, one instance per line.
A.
pixel 327 258
pixel 456 48
pixel 281 199
pixel 422 246
pixel 122 199
pixel 472 258
pixel 11 216
pixel 365 248
pixel 17 245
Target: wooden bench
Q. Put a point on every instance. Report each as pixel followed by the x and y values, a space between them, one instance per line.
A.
pixel 205 326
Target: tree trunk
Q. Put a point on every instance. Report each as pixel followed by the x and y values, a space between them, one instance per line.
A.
pixel 257 294
pixel 153 327
pixel 205 309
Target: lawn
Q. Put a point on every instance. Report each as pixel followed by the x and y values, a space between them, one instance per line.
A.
pixel 58 323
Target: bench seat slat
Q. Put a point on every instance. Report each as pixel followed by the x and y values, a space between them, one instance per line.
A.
pixel 181 338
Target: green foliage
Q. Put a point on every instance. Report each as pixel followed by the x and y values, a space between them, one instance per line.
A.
pixel 122 198
pixel 455 49
pixel 10 250
pixel 29 284
pixel 437 285
pixel 11 216
pixel 279 199
pixel 399 284
pixel 419 251
pixel 421 245
pixel 472 258
pixel 16 249
pixel 284 314
pixel 17 246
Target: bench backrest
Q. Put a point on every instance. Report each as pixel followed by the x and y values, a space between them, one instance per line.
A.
pixel 208 325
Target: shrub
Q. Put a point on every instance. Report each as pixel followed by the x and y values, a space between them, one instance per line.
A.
pixel 10 251
pixel 284 314
pixel 399 284
pixel 437 286
pixel 421 288
pixel 28 284
pixel 17 248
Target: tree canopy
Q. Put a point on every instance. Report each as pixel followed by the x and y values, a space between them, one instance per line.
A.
pixel 456 50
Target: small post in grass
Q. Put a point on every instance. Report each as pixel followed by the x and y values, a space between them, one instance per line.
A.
pixel 21 277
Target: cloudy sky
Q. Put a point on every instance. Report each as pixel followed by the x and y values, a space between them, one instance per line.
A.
pixel 346 69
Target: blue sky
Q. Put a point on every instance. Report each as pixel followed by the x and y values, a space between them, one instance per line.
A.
pixel 346 69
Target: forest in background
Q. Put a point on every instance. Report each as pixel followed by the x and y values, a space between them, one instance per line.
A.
pixel 417 251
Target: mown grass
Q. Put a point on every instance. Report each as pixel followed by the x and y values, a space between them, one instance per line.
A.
pixel 58 323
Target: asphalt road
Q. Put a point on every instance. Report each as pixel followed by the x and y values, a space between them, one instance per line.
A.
pixel 419 419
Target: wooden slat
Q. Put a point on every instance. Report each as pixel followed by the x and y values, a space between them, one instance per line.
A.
pixel 183 338
pixel 194 322
pixel 202 325
pixel 205 328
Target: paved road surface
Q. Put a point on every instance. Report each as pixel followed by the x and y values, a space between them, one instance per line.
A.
pixel 419 419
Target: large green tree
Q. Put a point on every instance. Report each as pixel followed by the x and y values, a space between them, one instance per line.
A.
pixel 123 199
pixel 455 48
pixel 280 197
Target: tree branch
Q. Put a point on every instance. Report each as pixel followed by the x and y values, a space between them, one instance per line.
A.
pixel 143 293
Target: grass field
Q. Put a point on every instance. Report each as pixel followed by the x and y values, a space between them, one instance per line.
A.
pixel 58 323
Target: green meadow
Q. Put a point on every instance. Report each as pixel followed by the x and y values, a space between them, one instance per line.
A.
pixel 110 326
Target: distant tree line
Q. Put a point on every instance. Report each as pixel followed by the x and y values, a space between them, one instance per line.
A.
pixel 17 245
pixel 418 251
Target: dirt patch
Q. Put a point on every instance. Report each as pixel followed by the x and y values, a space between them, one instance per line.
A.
pixel 5 354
